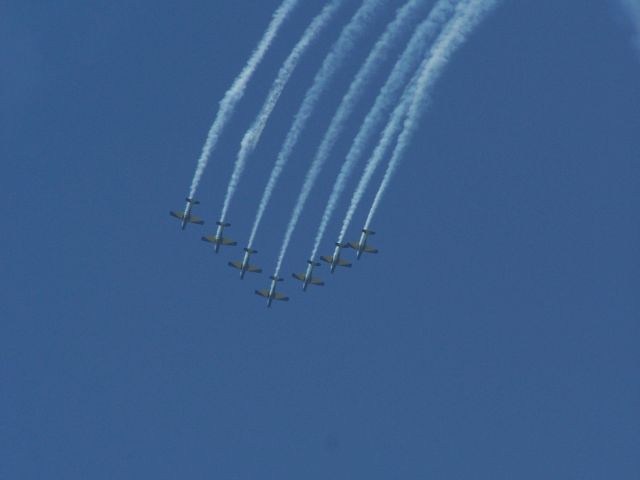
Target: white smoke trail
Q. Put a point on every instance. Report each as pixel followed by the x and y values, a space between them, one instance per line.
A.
pixel 389 93
pixel 236 92
pixel 252 136
pixel 389 133
pixel 454 35
pixel 632 7
pixel 339 51
pixel 325 148
pixel 382 47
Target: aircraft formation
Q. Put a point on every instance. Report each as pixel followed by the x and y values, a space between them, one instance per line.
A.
pixel 244 266
pixel 426 33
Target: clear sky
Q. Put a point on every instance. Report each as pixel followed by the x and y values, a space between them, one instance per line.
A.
pixel 495 335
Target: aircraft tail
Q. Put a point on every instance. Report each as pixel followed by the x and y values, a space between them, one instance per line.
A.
pixel 277 279
pixel 250 251
pixel 368 232
pixel 315 264
pixel 192 201
pixel 223 224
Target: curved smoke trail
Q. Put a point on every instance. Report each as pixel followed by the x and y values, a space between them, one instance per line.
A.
pixel 379 52
pixel 345 43
pixel 407 63
pixel 389 133
pixel 454 35
pixel 252 136
pixel 632 8
pixel 237 89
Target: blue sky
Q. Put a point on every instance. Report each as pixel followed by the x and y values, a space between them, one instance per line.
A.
pixel 494 336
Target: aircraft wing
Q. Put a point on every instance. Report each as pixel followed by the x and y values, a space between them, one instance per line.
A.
pixel 210 239
pixel 262 293
pixel 369 249
pixel 196 220
pixel 343 263
pixel 315 281
pixel 327 258
pixel 179 215
pixel 237 265
pixel 254 269
pixel 281 297
pixel 226 241
pixel 299 276
pixel 354 245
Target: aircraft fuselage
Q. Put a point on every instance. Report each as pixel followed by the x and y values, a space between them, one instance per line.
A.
pixel 336 258
pixel 362 244
pixel 218 242
pixel 307 277
pixel 272 293
pixel 245 264
pixel 187 215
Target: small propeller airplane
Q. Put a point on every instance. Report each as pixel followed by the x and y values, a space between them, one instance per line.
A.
pixel 244 266
pixel 362 247
pixel 307 278
pixel 335 260
pixel 186 217
pixel 271 294
pixel 218 239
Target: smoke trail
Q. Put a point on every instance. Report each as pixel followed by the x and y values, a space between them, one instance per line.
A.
pixel 252 136
pixel 347 105
pixel 407 63
pixel 339 51
pixel 235 93
pixel 322 154
pixel 389 133
pixel 632 7
pixel 454 35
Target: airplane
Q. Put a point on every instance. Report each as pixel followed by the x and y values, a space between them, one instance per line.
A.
pixel 362 247
pixel 307 278
pixel 244 266
pixel 186 217
pixel 218 239
pixel 271 294
pixel 335 260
